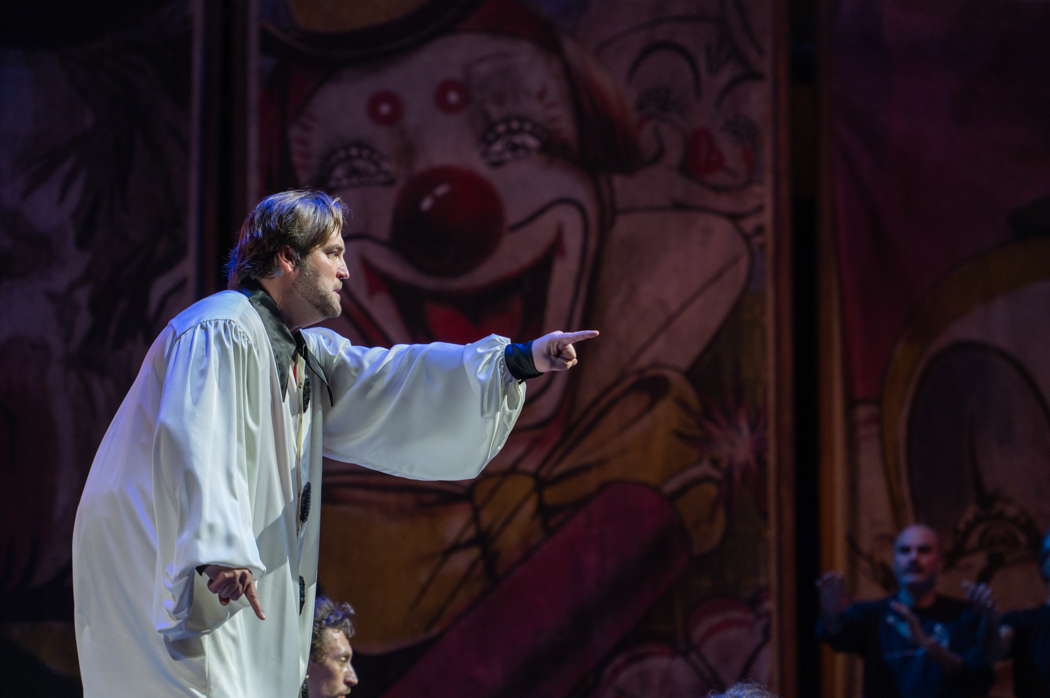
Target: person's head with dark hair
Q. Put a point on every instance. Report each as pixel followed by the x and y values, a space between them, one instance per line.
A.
pixel 744 690
pixel 292 246
pixel 298 221
pixel 330 672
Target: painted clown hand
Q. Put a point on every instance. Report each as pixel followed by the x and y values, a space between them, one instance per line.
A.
pixel 554 351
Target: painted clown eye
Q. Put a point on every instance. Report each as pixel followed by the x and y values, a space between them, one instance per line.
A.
pixel 385 108
pixel 512 138
pixel 355 164
pixel 451 96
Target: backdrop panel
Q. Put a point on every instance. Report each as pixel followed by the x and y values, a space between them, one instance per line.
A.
pixel 516 168
pixel 941 149
pixel 96 255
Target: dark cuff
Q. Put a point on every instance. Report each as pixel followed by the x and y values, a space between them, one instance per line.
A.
pixel 519 361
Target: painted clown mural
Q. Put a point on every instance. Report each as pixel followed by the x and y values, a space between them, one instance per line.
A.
pixel 514 168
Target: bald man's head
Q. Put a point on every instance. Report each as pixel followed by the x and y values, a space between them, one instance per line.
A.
pixel 917 559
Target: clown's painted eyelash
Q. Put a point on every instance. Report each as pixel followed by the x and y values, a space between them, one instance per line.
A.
pixel 355 164
pixel 512 138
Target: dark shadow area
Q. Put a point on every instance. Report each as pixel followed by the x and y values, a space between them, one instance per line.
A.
pixel 805 223
pixel 26 676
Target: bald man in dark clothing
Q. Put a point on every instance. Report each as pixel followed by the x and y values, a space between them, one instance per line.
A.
pixel 916 643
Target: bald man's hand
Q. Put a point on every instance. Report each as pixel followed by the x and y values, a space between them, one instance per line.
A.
pixel 554 351
pixel 911 628
pixel 833 597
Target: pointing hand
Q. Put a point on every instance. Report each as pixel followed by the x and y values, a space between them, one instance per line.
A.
pixel 555 351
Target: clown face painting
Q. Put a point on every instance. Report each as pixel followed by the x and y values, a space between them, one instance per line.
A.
pixel 471 213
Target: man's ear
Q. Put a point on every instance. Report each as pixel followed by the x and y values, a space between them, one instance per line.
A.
pixel 285 261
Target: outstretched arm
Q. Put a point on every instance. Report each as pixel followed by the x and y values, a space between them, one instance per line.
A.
pixel 425 411
pixel 431 411
pixel 842 624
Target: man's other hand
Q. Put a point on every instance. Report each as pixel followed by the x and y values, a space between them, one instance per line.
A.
pixel 230 583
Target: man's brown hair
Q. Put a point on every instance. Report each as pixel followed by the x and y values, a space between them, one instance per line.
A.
pixel 299 220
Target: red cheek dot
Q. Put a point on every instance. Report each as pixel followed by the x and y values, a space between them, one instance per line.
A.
pixel 451 96
pixel 385 108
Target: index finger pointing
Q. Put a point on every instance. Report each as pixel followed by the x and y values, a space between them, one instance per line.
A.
pixel 249 594
pixel 579 336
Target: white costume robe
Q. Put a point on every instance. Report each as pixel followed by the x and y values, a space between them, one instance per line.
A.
pixel 202 464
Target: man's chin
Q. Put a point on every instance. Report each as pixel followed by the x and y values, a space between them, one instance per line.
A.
pixel 327 309
pixel 917 586
pixel 334 307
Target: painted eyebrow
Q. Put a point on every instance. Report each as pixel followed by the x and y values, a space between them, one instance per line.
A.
pixel 667 47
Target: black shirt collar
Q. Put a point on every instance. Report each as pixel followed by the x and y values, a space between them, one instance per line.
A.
pixel 284 342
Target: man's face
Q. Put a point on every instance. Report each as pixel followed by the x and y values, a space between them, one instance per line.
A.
pixel 333 675
pixel 320 276
pixel 917 558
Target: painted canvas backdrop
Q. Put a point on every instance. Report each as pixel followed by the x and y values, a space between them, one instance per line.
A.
pixel 94 190
pixel 521 167
pixel 940 149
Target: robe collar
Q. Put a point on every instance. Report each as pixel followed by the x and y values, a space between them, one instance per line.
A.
pixel 284 343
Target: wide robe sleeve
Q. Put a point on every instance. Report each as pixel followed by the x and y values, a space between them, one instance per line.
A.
pixel 424 411
pixel 204 448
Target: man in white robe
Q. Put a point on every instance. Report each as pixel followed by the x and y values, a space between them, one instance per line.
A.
pixel 195 544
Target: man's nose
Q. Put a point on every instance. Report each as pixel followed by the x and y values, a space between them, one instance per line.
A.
pixel 342 272
pixel 351 677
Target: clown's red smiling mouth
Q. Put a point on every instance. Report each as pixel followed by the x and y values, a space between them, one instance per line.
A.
pixel 512 306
